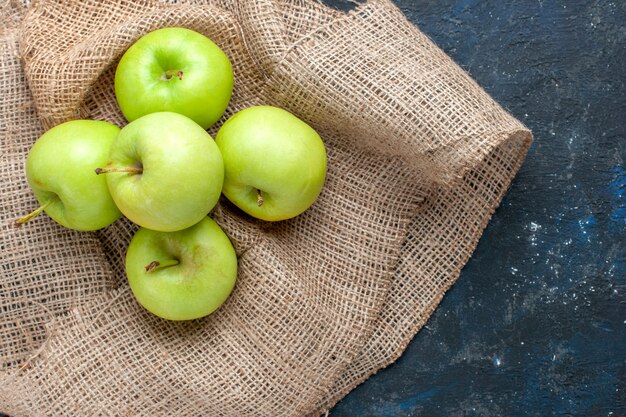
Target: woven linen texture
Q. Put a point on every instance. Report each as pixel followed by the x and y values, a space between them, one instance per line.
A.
pixel 419 157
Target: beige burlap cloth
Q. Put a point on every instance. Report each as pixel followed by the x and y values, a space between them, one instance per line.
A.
pixel 419 158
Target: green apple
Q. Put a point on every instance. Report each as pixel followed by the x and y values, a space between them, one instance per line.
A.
pixel 164 172
pixel 174 69
pixel 59 169
pixel 182 275
pixel 274 163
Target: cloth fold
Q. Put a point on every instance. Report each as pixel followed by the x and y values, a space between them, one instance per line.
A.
pixel 419 158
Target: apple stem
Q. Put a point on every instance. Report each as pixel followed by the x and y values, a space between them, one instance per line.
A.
pixel 170 73
pixel 154 265
pixel 33 213
pixel 259 198
pixel 122 169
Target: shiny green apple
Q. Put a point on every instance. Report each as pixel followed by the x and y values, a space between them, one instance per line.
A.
pixel 59 169
pixel 174 69
pixel 275 164
pixel 164 172
pixel 182 275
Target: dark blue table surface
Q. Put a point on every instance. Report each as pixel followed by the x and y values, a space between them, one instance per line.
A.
pixel 536 323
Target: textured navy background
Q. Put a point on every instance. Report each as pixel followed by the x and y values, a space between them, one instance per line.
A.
pixel 536 323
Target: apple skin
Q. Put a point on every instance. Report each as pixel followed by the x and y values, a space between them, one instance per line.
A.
pixel 197 286
pixel 268 149
pixel 182 173
pixel 60 165
pixel 142 85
